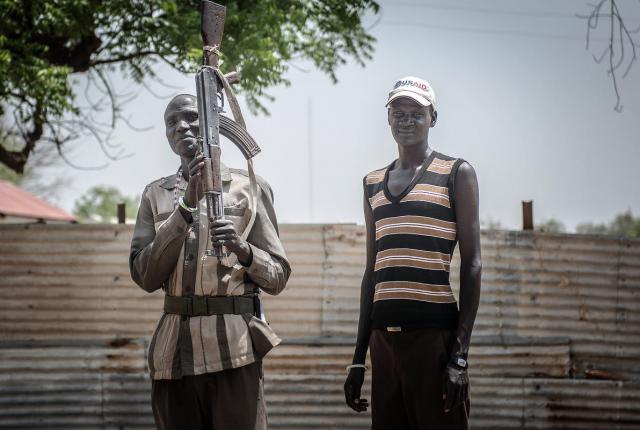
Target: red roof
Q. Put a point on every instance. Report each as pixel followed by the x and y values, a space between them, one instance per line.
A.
pixel 15 201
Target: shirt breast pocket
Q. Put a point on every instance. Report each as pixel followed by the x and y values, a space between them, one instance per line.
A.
pixel 235 208
pixel 238 211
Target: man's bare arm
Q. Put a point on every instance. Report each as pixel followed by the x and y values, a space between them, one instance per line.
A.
pixel 456 385
pixel 353 384
pixel 468 225
pixel 366 289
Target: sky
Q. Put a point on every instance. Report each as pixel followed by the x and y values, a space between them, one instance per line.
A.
pixel 518 97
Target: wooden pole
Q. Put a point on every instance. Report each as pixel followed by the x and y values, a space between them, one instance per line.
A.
pixel 527 215
pixel 121 213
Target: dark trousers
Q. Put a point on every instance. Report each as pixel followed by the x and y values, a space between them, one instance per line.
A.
pixel 407 379
pixel 231 399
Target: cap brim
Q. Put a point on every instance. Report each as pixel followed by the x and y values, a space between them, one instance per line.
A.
pixel 422 101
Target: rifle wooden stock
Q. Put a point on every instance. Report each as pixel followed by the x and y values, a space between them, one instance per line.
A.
pixel 211 28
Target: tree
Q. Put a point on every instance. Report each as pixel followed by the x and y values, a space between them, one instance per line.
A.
pixel 99 204
pixel 34 178
pixel 624 224
pixel 44 44
pixel 551 226
pixel 591 228
pixel 491 224
pixel 620 51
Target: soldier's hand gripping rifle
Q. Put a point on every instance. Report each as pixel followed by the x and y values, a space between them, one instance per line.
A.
pixel 212 86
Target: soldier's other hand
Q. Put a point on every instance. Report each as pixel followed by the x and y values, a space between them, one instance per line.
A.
pixel 352 390
pixel 224 233
pixel 455 388
pixel 194 192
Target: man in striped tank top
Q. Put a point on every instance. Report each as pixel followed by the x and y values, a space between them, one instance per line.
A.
pixel 416 210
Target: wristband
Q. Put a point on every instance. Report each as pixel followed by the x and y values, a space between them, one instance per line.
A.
pixel 357 366
pixel 184 206
pixel 459 361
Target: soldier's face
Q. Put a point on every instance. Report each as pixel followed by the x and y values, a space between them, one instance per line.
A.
pixel 181 124
pixel 409 121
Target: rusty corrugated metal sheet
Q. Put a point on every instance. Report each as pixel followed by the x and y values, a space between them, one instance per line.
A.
pixel 71 281
pixel 552 306
pixel 73 384
pixel 586 288
pixel 95 385
pixel 491 356
pixel 299 310
pixel 75 280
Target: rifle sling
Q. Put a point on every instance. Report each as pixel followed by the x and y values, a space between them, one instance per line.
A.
pixel 231 99
pixel 237 116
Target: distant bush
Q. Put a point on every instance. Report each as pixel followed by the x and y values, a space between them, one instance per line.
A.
pixel 624 224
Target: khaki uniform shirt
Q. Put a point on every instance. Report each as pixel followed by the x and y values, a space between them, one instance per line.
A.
pixel 169 253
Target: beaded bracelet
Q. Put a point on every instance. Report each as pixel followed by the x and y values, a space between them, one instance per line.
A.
pixel 184 206
pixel 357 366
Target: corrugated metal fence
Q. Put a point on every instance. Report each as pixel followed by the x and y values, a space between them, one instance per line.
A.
pixel 555 310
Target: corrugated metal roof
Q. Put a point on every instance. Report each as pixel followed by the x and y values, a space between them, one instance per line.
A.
pixel 552 306
pixel 16 202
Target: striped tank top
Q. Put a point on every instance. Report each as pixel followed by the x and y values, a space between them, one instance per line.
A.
pixel 415 238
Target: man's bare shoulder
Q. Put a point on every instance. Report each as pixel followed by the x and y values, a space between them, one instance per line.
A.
pixel 466 176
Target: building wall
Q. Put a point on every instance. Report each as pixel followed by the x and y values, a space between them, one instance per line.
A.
pixel 556 312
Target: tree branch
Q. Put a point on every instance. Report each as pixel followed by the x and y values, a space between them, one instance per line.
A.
pixel 619 39
pixel 122 58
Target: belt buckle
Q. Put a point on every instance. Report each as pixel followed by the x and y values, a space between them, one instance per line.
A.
pixel 394 329
pixel 199 305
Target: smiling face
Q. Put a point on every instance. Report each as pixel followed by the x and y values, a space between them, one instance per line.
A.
pixel 409 121
pixel 182 127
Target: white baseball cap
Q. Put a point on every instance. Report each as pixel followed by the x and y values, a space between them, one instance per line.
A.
pixel 416 89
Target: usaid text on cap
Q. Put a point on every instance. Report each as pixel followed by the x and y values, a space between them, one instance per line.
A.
pixel 420 85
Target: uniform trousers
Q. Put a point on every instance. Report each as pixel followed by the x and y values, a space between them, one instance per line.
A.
pixel 407 371
pixel 228 400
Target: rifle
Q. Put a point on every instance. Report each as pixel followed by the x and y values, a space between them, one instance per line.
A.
pixel 211 86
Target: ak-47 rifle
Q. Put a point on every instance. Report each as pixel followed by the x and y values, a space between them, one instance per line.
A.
pixel 212 86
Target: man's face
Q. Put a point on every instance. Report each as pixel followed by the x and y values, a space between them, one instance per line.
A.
pixel 181 123
pixel 409 121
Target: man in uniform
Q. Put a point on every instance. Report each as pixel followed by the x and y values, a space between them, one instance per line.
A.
pixel 205 355
pixel 416 209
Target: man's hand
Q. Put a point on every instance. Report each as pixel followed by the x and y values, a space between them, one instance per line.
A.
pixel 194 192
pixel 224 233
pixel 455 389
pixel 352 388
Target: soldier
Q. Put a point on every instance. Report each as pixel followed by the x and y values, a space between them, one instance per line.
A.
pixel 416 209
pixel 205 355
